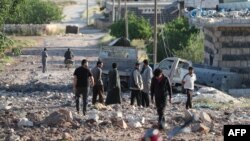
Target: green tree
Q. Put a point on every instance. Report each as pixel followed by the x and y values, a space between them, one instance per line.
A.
pixel 176 38
pixel 138 28
pixel 33 12
pixel 194 50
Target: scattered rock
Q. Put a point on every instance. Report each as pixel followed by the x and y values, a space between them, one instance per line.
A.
pixel 25 138
pixel 118 115
pixel 67 136
pixel 122 124
pixel 58 118
pixel 25 122
pixel 135 124
pixel 35 117
pixel 205 117
pixel 13 137
pixel 199 127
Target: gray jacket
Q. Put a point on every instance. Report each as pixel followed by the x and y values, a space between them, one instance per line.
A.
pixel 97 74
pixel 147 76
pixel 136 83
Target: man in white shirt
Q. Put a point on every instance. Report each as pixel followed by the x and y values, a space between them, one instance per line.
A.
pixel 188 83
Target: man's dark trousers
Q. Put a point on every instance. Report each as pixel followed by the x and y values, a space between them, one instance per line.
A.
pixel 84 92
pixel 145 99
pixel 136 94
pixel 189 98
pixel 98 90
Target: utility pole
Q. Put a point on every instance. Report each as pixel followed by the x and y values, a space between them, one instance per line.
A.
pixel 113 10
pixel 87 12
pixel 155 34
pixel 126 20
pixel 119 10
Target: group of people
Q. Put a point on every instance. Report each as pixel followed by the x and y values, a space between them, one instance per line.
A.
pixel 68 58
pixel 84 78
pixel 143 84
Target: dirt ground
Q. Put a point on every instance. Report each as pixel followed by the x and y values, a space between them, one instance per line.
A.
pixel 26 92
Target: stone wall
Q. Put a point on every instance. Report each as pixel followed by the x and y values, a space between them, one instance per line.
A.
pixel 228 47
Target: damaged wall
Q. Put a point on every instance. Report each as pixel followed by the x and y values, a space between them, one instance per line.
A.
pixel 228 47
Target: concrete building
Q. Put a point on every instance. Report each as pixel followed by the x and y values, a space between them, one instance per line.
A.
pixel 167 9
pixel 227 36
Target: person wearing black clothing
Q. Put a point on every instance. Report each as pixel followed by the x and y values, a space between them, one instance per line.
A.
pixel 114 86
pixel 98 88
pixel 81 84
pixel 160 88
pixel 68 56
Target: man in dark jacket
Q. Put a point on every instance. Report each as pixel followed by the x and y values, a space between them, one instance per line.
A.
pixel 114 86
pixel 81 84
pixel 68 56
pixel 44 59
pixel 160 88
pixel 98 88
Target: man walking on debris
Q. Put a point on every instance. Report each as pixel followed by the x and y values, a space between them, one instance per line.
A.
pixel 136 85
pixel 188 83
pixel 68 56
pixel 98 86
pixel 160 88
pixel 114 86
pixel 44 59
pixel 147 75
pixel 81 84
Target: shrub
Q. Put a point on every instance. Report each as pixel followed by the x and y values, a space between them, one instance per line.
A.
pixel 33 12
pixel 138 28
pixel 5 43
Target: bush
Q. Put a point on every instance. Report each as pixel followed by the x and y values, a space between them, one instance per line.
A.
pixel 177 38
pixel 17 51
pixel 194 50
pixel 5 43
pixel 33 12
pixel 138 28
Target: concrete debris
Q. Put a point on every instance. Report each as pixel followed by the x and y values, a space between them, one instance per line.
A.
pixel 199 127
pixel 218 14
pixel 215 95
pixel 135 124
pixel 13 137
pixel 5 105
pixel 68 137
pixel 122 124
pixel 25 122
pixel 118 115
pixel 101 107
pixel 205 117
pixel 58 118
pixel 93 116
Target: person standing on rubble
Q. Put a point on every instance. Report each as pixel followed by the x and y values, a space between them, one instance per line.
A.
pixel 147 75
pixel 44 59
pixel 188 84
pixel 160 88
pixel 114 86
pixel 98 88
pixel 136 85
pixel 81 84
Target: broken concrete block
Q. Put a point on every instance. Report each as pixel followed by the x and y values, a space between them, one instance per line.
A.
pixel 199 127
pixel 122 124
pixel 135 124
pixel 67 136
pixel 25 122
pixel 205 117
